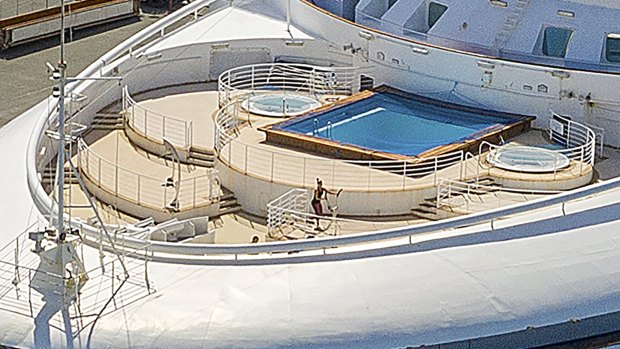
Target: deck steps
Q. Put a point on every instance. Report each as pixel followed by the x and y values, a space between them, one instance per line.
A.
pixel 107 122
pixel 228 204
pixel 48 176
pixel 428 208
pixel 201 157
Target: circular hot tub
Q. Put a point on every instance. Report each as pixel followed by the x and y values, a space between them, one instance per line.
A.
pixel 527 159
pixel 279 104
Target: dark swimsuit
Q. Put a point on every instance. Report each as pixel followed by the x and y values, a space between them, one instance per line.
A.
pixel 316 201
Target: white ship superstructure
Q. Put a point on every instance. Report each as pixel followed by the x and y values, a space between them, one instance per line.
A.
pixel 194 149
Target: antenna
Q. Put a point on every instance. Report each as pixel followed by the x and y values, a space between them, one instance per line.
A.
pixel 62 65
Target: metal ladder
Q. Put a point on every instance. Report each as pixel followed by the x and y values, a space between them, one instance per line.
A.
pixel 511 23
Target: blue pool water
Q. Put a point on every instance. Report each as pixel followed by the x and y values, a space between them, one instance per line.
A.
pixel 394 124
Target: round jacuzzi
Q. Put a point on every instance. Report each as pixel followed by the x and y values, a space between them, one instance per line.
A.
pixel 279 104
pixel 527 159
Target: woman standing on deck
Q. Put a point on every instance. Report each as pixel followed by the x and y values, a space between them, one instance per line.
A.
pixel 318 195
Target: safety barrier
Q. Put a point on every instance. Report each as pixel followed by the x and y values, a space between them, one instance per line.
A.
pixel 285 167
pixel 145 190
pixel 156 126
pixel 237 83
pixel 448 190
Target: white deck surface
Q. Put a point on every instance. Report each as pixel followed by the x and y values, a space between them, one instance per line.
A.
pixel 226 25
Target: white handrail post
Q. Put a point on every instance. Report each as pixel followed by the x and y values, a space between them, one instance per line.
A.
pixel 165 194
pixel 116 177
pixel 462 165
pixel 194 193
pixel 272 165
pixel 404 173
pixel 245 159
pixel 124 97
pixel 252 84
pixel 303 178
pixel 435 180
pixel 139 189
pixel 163 126
pixel 438 194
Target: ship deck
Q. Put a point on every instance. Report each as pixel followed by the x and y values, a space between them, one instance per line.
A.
pixel 239 226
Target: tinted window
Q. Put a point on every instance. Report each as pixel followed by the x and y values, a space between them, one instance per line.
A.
pixel 555 41
pixel 612 48
pixel 435 11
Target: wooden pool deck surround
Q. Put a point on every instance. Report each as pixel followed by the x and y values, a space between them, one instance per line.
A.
pixel 334 149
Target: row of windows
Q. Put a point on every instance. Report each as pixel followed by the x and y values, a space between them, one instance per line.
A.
pixel 556 40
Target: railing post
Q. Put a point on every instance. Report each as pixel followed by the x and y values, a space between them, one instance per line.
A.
pixel 116 178
pixel 462 165
pixel 194 193
pixel 252 84
pixel 404 173
pixel 435 180
pixel 303 173
pixel 581 161
pixel 245 158
pixel 163 126
pixel 369 173
pixel 437 200
pixel 165 195
pixel 139 189
pixel 272 165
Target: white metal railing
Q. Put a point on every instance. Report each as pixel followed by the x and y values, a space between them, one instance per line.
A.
pixel 145 190
pixel 285 167
pixel 448 190
pixel 291 211
pixel 599 133
pixel 240 82
pixel 227 124
pixel 579 140
pixel 295 200
pixel 20 273
pixel 156 126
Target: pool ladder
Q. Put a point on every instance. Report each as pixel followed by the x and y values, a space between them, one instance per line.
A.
pixel 328 130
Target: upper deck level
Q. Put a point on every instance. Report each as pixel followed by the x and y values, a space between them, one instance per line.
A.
pixel 570 34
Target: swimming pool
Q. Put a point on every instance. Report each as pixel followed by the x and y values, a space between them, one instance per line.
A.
pixel 394 123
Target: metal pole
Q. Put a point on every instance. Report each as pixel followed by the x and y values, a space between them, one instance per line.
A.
pixel 61 122
pixel 288 16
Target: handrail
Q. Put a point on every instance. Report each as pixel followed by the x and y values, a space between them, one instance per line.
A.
pixel 156 126
pixel 146 190
pixel 285 167
pixel 447 189
pixel 239 82
pixel 580 142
